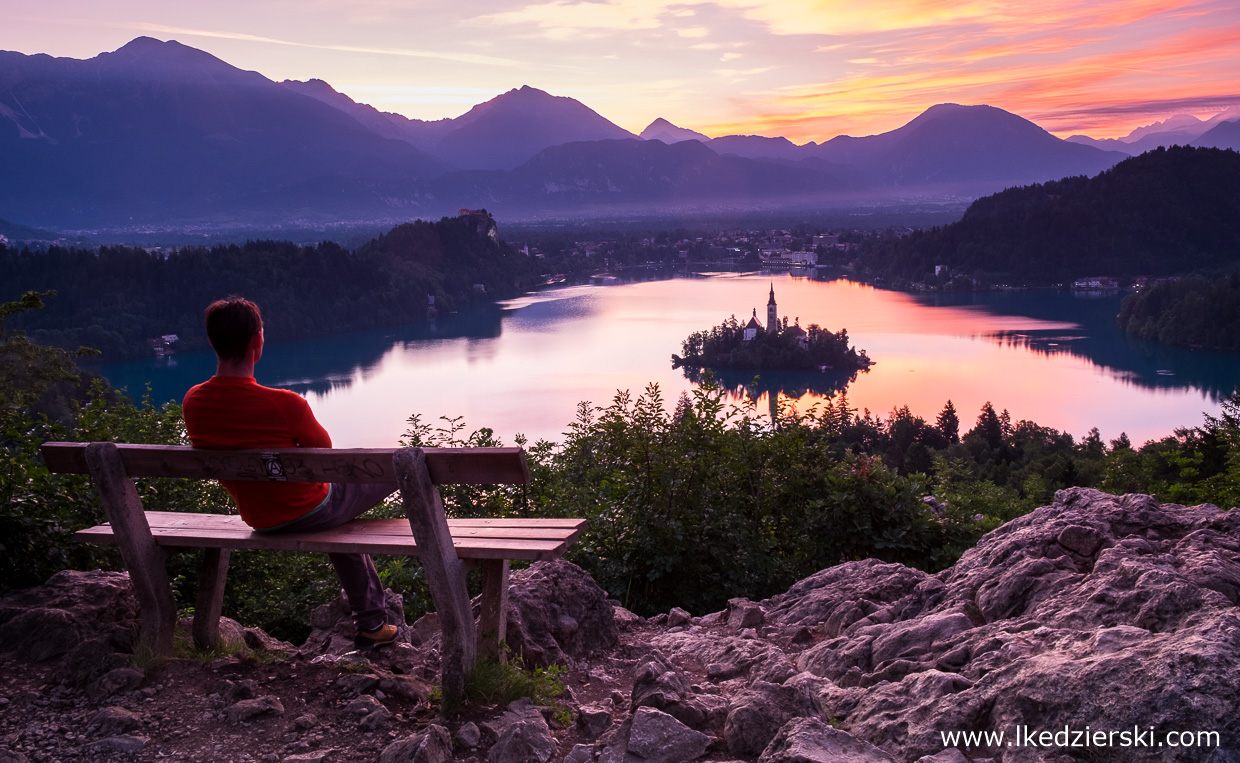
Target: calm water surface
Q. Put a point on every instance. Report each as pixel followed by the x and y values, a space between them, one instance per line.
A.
pixel 523 366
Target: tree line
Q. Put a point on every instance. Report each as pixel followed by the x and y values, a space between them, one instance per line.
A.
pixel 1195 312
pixel 1169 211
pixel 116 299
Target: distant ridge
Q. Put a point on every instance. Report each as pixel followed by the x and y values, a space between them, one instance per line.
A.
pixel 161 134
pixel 159 131
pixel 1165 212
pixel 661 129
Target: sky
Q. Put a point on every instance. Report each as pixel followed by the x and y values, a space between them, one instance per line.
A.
pixel 802 69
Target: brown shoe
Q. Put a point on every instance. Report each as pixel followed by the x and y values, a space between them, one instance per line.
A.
pixel 368 640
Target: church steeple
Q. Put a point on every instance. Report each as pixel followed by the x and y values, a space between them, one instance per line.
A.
pixel 772 313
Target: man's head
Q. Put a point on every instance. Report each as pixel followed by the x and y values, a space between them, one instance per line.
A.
pixel 232 325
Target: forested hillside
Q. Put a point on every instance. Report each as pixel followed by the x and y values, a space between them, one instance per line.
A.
pixel 1168 211
pixel 116 299
pixel 1202 313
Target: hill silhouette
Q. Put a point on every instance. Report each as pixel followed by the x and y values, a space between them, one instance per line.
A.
pixel 1165 212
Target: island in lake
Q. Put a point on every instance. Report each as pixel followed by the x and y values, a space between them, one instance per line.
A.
pixel 778 346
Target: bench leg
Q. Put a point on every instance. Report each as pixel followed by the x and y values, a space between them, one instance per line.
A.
pixel 143 557
pixel 493 622
pixel 206 627
pixel 445 572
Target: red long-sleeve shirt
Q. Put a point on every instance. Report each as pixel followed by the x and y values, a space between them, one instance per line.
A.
pixel 233 412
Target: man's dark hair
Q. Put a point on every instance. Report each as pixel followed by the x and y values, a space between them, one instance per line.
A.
pixel 231 324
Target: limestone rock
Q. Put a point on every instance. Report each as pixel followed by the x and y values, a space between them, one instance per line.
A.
pixel 743 613
pixel 543 600
pixel 248 709
pixel 677 617
pixel 468 735
pixel 810 740
pixel 52 619
pixel 657 737
pixel 728 657
pixel 114 682
pixel 757 714
pixel 581 753
pixel 624 619
pixel 595 718
pixel 432 746
pixel 522 735
pixel 232 692
pixel 950 755
pixel 405 687
pixel 660 685
pixel 1097 611
pixel 124 743
pixel 113 720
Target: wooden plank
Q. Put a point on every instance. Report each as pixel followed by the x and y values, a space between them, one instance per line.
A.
pixel 493 614
pixel 143 557
pixel 370 527
pixel 447 466
pixel 445 572
pixel 466 548
pixel 206 626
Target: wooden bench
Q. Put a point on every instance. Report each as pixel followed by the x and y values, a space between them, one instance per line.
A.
pixel 447 547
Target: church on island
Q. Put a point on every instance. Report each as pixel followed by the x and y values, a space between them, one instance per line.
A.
pixel 753 328
pixel 777 346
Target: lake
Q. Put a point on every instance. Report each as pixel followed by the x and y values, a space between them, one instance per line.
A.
pixel 524 365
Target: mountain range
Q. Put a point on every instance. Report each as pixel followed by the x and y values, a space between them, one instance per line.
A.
pixel 161 134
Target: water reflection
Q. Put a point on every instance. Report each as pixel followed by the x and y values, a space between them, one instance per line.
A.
pixel 739 384
pixel 525 364
pixel 1127 359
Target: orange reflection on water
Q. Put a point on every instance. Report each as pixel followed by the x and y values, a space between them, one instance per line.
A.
pixel 561 347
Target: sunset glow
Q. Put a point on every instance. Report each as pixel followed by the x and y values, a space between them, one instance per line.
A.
pixel 803 69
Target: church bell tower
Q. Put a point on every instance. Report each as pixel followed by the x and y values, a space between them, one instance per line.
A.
pixel 772 317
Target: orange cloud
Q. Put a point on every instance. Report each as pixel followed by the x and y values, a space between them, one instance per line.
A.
pixel 1058 75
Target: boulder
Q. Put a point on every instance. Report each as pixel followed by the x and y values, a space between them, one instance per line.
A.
pixel 114 682
pixel 557 612
pixel 248 709
pixel 810 740
pixel 757 714
pixel 1100 611
pixel 113 720
pixel 657 737
pixel 743 613
pixel 659 684
pixel 595 718
pixel 432 746
pixel 726 657
pixel 678 617
pixel 53 619
pixel 521 735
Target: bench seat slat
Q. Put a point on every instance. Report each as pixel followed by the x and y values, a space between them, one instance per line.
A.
pixel 326 541
pixel 464 526
pixel 447 466
pixel 507 539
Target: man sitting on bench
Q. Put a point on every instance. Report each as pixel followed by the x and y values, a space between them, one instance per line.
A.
pixel 231 411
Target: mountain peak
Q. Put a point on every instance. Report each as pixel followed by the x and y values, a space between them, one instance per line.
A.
pixel 146 58
pixel 661 129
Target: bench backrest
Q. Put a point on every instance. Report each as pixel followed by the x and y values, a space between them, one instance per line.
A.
pixel 447 466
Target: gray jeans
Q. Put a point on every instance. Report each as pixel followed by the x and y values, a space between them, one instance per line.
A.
pixel 356 572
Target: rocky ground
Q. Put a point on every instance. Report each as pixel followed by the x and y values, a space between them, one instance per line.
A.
pixel 1112 616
